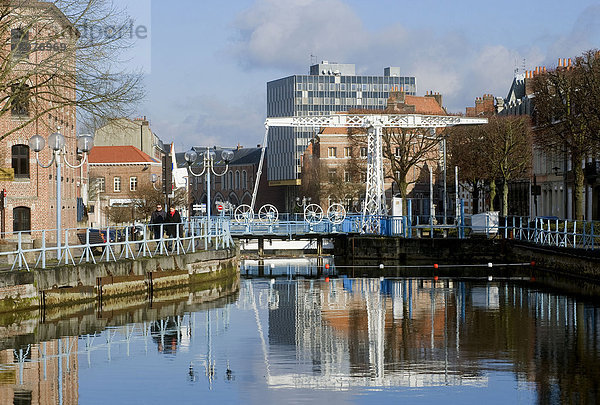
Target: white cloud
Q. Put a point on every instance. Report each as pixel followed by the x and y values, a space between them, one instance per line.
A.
pixel 286 33
pixel 211 120
pixel 584 35
pixel 277 34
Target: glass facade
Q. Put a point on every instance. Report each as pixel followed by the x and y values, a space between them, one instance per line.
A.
pixel 320 94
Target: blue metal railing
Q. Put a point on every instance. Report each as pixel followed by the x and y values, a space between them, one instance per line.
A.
pixel 24 250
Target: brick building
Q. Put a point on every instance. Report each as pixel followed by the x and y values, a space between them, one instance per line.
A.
pixel 31 189
pixel 116 172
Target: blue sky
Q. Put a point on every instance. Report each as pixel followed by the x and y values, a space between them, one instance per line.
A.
pixel 207 63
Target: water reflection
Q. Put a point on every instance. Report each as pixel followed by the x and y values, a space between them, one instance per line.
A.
pixel 282 339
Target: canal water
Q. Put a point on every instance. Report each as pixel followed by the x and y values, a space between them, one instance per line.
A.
pixel 287 338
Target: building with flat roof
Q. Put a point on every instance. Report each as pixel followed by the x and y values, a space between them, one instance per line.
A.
pixel 328 88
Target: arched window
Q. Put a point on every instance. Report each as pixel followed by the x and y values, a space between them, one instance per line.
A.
pixel 237 180
pixel 230 180
pixel 21 219
pixel 244 180
pixel 20 161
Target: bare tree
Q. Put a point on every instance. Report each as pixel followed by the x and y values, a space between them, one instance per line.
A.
pixel 145 198
pixel 50 59
pixel 509 148
pixel 466 146
pixel 563 115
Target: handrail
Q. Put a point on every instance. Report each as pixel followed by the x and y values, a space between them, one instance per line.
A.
pixel 127 242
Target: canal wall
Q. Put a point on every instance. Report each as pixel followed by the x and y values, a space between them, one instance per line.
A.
pixel 357 251
pixel 33 326
pixel 368 250
pixel 20 290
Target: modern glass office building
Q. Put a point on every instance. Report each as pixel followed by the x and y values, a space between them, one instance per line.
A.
pixel 329 88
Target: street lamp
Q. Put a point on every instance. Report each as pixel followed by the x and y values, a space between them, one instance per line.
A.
pixel 303 202
pixel 154 179
pixel 57 144
pixel 208 162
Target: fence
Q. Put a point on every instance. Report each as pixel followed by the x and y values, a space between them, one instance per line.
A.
pixel 24 250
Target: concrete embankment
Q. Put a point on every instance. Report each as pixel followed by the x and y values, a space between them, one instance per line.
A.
pixel 43 288
pixel 358 251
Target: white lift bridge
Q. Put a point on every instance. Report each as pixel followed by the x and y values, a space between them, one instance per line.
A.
pixel 374 206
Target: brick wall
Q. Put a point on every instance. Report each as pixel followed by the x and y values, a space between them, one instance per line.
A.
pixel 37 192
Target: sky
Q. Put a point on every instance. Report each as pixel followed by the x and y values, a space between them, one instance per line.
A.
pixel 207 63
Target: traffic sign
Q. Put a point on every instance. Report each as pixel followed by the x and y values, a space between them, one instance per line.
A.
pixel 220 207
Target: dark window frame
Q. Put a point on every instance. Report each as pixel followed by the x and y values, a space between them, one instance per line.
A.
pixel 19 43
pixel 22 219
pixel 20 161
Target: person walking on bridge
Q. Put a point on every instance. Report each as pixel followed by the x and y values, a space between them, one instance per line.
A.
pixel 173 219
pixel 159 217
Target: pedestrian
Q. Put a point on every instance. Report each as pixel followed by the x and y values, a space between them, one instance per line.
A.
pixel 158 218
pixel 173 219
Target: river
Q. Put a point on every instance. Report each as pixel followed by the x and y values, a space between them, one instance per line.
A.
pixel 287 338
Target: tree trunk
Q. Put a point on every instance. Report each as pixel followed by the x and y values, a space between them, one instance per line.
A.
pixel 402 187
pixel 476 197
pixel 505 198
pixel 492 194
pixel 578 189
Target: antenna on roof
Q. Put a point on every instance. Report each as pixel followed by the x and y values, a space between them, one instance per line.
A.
pixel 313 59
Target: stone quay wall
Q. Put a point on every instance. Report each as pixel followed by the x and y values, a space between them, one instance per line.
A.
pixel 20 290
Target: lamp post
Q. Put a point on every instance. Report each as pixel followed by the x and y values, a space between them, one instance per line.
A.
pixel 57 144
pixel 303 202
pixel 154 179
pixel 208 162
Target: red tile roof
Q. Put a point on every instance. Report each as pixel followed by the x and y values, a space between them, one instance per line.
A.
pixel 118 154
pixel 425 105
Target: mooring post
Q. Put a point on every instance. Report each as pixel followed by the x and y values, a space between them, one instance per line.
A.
pixel 261 246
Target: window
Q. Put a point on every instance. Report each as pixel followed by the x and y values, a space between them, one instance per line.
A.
pixel 117 184
pixel 237 180
pixel 230 180
pixel 347 151
pixel 363 152
pixel 331 152
pixel 19 42
pixel 101 182
pixel 331 173
pixel 20 99
pixel 20 161
pixel 398 152
pixel 244 180
pixel 21 219
pixel 347 177
pixel 132 183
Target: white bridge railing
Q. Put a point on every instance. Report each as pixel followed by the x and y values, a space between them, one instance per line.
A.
pixel 35 249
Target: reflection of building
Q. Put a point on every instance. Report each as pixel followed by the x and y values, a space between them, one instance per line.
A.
pixel 41 374
pixel 116 173
pixel 327 89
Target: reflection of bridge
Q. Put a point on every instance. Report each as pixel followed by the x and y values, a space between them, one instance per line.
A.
pixel 346 334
